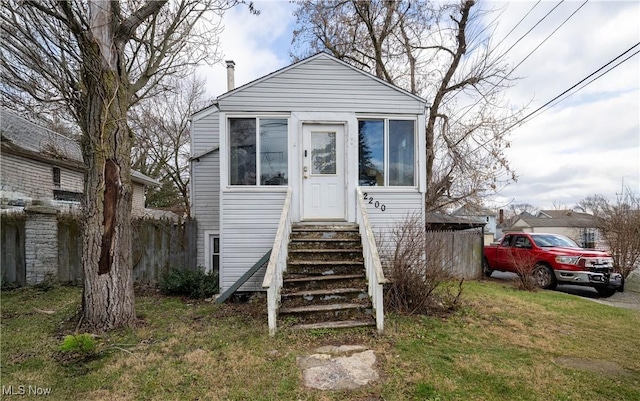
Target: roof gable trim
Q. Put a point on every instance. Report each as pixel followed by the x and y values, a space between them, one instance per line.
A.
pixel 314 57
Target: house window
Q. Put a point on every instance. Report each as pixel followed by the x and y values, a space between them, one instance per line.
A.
pixel 56 177
pixel 588 239
pixel 386 152
pixel 68 196
pixel 258 151
pixel 215 254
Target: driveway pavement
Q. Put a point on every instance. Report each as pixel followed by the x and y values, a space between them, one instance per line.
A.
pixel 627 299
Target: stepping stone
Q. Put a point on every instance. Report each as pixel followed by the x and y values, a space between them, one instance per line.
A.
pixel 326 371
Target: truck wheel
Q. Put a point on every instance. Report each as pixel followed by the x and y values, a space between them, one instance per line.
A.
pixel 486 269
pixel 543 276
pixel 605 292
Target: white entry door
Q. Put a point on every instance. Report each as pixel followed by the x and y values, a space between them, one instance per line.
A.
pixel 323 179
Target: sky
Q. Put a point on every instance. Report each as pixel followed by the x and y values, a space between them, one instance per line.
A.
pixel 584 145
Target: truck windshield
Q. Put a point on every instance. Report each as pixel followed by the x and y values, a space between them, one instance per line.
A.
pixel 554 240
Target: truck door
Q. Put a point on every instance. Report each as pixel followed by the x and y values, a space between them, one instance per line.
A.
pixel 503 253
pixel 521 254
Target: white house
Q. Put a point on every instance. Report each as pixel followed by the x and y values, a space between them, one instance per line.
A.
pixel 318 129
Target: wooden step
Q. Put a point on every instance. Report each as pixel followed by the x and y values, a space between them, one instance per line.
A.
pixel 321 278
pixel 322 308
pixel 342 324
pixel 305 239
pixel 336 291
pixel 349 227
pixel 327 250
pixel 325 263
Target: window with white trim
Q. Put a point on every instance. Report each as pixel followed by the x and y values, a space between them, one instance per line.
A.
pixel 258 151
pixel 214 248
pixel 386 152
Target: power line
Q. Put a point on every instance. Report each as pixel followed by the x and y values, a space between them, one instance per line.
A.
pixel 531 29
pixel 581 81
pixel 517 41
pixel 518 24
pixel 545 39
pixel 524 59
pixel 588 83
pixel 568 90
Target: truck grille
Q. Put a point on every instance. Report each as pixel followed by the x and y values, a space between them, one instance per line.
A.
pixel 598 265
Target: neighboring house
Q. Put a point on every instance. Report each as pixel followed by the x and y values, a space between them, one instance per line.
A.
pixel 576 225
pixel 481 215
pixel 319 128
pixel 39 164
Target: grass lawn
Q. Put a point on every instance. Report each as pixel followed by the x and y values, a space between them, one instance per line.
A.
pixel 503 344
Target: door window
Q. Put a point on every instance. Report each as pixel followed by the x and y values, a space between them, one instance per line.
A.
pixel 323 153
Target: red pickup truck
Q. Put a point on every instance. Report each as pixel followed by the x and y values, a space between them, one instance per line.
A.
pixel 553 259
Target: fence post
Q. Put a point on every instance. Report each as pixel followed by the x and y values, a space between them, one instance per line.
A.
pixel 41 243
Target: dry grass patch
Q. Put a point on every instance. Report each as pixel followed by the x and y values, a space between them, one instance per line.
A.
pixel 501 344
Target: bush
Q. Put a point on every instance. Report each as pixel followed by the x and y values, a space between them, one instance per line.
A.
pixel 191 283
pixel 419 284
pixel 81 344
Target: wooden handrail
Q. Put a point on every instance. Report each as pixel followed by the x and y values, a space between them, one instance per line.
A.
pixel 373 267
pixel 370 238
pixel 277 264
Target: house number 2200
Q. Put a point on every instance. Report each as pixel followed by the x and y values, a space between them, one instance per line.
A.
pixel 373 202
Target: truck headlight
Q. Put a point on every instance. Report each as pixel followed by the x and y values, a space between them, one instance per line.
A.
pixel 567 260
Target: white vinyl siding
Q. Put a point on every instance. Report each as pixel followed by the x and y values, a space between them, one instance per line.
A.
pixel 321 84
pixel 205 177
pixel 206 198
pixel 249 228
pixel 204 131
pixel 398 205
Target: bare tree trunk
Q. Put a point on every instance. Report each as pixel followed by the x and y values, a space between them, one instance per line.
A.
pixel 108 299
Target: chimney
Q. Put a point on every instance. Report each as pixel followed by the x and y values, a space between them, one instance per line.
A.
pixel 501 219
pixel 230 75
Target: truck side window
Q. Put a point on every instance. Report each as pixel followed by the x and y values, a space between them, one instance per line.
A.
pixel 522 242
pixel 506 240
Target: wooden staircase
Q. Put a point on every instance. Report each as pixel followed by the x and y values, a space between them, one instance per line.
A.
pixel 325 284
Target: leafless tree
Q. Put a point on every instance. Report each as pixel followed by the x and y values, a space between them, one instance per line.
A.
pixel 420 284
pixel 619 224
pixel 443 52
pixel 161 144
pixel 97 58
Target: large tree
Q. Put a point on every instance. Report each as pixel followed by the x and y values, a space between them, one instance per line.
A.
pixel 442 52
pixel 97 58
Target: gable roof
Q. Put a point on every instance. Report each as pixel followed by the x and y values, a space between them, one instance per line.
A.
pixel 21 136
pixel 472 209
pixel 319 56
pixel 557 218
pixel 558 214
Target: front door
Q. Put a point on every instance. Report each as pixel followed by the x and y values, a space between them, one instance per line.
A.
pixel 323 179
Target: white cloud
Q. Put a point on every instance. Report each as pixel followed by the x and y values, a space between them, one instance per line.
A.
pixel 253 42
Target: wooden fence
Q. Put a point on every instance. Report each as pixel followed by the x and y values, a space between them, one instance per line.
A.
pixel 12 248
pixel 459 252
pixel 158 246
